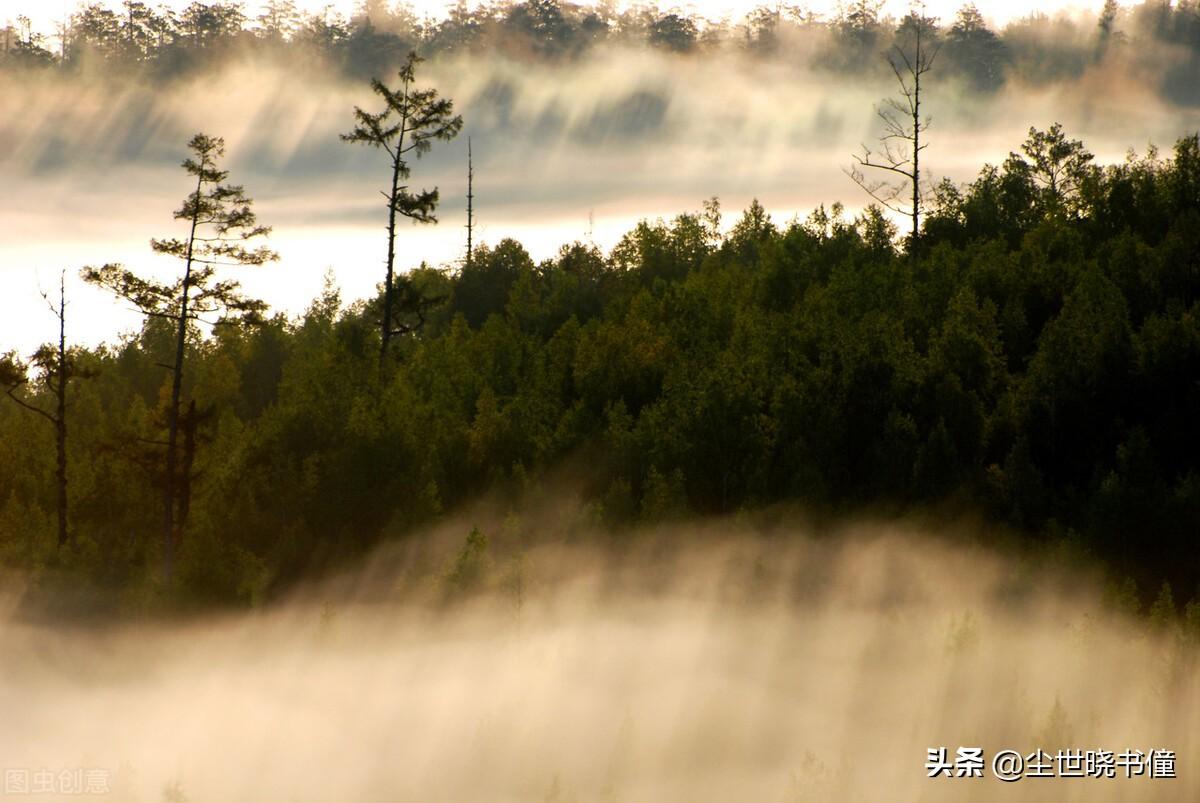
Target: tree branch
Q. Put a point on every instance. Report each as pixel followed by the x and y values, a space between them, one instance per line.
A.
pixel 12 395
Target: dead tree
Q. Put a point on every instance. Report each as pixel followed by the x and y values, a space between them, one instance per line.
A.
pixel 470 204
pixel 903 126
pixel 55 370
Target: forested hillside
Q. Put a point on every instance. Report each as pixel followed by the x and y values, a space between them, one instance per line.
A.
pixel 1034 356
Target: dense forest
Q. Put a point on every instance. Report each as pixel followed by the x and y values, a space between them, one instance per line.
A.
pixel 1030 354
pixel 1036 356
pixel 1157 41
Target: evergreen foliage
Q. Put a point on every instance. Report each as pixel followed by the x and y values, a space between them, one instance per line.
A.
pixel 1037 360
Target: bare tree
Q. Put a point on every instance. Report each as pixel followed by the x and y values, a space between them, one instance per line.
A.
pixel 407 125
pixel 220 222
pixel 903 126
pixel 55 370
pixel 470 204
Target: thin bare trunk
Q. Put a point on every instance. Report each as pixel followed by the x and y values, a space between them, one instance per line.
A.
pixel 60 421
pixel 470 203
pixel 190 423
pixel 169 532
pixel 916 174
pixel 389 283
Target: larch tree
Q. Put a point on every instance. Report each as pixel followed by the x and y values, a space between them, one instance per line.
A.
pixel 221 223
pixel 903 127
pixel 411 119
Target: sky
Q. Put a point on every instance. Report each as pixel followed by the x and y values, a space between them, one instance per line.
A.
pixel 582 152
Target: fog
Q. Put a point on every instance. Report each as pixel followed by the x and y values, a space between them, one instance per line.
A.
pixel 689 663
pixel 575 151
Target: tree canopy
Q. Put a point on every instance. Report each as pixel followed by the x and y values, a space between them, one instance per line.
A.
pixel 1033 366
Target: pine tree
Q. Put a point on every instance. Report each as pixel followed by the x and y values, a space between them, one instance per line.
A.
pixel 406 126
pixel 220 224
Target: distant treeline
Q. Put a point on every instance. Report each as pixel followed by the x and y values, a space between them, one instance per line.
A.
pixel 1158 39
pixel 1036 359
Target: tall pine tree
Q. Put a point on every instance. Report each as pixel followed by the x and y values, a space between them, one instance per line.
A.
pixel 406 127
pixel 220 224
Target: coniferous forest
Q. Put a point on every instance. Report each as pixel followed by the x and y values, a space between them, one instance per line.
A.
pixel 1028 355
pixel 1158 40
pixel 555 402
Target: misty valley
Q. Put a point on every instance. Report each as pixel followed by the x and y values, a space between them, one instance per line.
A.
pixel 497 403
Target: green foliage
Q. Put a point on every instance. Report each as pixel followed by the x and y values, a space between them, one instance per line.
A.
pixel 410 121
pixel 1037 366
pixel 1060 165
pixel 975 52
pixel 220 222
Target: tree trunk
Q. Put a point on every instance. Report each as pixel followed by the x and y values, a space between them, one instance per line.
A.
pixel 190 422
pixel 916 176
pixel 397 163
pixel 470 204
pixel 176 393
pixel 386 334
pixel 60 421
pixel 388 287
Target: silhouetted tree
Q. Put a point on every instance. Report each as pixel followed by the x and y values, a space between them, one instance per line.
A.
pixel 470 204
pixel 220 223
pixel 407 125
pixel 857 31
pixel 1058 164
pixel 545 26
pixel 673 32
pixel 55 369
pixel 278 20
pixel 974 51
pixel 326 30
pixel 483 285
pixel 206 25
pixel 461 28
pixel 137 30
pixel 1106 28
pixel 910 59
pixel 95 30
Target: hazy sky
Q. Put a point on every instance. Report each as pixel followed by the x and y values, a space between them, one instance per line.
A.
pixel 580 152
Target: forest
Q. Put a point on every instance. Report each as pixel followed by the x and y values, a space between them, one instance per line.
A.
pixel 1036 358
pixel 1158 40
pixel 1028 355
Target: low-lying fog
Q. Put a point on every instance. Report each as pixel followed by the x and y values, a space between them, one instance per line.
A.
pixel 690 664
